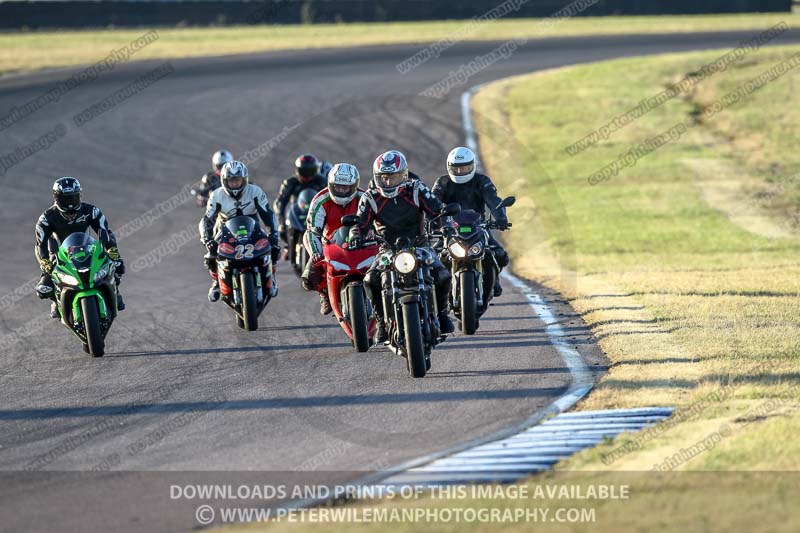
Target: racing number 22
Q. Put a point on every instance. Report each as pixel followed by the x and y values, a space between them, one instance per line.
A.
pixel 244 251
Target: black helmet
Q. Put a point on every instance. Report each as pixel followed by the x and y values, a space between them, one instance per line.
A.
pixel 67 196
pixel 306 167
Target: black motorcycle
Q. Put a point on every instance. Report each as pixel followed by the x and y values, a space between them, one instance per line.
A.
pixel 296 228
pixel 472 265
pixel 409 300
pixel 244 266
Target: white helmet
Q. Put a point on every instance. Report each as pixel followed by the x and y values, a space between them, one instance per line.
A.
pixel 389 171
pixel 461 164
pixel 219 159
pixel 233 170
pixel 343 183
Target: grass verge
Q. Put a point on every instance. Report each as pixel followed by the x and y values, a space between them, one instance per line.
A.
pixel 684 266
pixel 27 51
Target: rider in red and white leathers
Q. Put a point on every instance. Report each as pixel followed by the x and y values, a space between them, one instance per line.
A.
pixel 325 214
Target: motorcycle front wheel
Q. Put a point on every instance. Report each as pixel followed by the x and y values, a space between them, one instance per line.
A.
pixel 91 327
pixel 415 351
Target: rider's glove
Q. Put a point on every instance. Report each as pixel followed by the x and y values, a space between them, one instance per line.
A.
pixel 317 258
pixel 274 240
pixel 113 253
pixel 211 246
pixel 354 239
pixel 46 266
pixel 120 268
pixel 501 223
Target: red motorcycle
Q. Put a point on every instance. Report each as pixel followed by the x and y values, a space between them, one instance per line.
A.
pixel 345 269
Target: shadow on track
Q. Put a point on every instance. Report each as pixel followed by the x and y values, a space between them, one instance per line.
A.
pixel 233 349
pixel 497 372
pixel 276 403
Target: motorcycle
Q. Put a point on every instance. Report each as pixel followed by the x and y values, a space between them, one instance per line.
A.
pixel 465 251
pixel 244 268
pixel 409 299
pixel 345 268
pixel 85 290
pixel 296 228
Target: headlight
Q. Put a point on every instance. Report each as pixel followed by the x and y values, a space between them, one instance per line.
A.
pixel 405 262
pixel 457 249
pixel 101 274
pixel 476 249
pixel 68 279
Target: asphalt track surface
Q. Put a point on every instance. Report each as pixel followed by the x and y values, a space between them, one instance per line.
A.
pixel 182 391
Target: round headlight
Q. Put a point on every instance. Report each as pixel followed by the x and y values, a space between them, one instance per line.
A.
pixel 476 249
pixel 405 262
pixel 457 249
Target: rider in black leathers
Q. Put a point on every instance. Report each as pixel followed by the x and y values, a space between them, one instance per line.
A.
pixel 210 180
pixel 66 216
pixel 473 191
pixel 397 208
pixel 307 176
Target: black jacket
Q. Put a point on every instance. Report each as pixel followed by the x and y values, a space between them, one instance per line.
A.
pixel 401 216
pixel 208 183
pixel 53 224
pixel 291 189
pixel 478 194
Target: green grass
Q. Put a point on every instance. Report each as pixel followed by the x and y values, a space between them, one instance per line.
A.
pixel 26 51
pixel 685 264
pixel 678 267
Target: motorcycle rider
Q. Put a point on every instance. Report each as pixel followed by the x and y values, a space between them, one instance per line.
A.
pixel 210 180
pixel 235 197
pixel 307 176
pixel 338 199
pixel 397 207
pixel 66 216
pixel 473 191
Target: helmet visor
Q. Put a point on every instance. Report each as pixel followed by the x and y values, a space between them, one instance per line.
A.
pixel 390 180
pixel 462 170
pixel 342 191
pixel 68 202
pixel 235 183
pixel 307 172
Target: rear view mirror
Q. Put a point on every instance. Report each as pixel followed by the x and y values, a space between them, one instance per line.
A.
pixel 349 221
pixel 451 209
pixel 508 202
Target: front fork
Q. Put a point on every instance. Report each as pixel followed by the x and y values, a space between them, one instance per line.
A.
pixel 427 302
pixel 460 268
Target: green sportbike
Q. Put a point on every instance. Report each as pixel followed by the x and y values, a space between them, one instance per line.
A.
pixel 85 290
